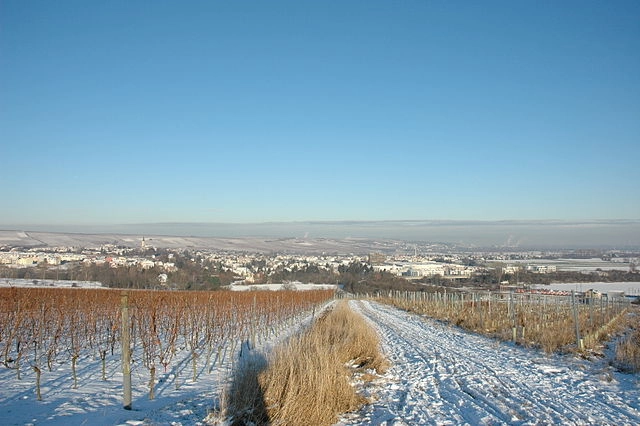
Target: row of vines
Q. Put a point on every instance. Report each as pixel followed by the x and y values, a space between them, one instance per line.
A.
pixel 549 322
pixel 41 328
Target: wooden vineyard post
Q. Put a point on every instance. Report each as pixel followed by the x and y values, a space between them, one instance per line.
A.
pixel 576 319
pixel 126 352
pixel 254 322
pixel 481 308
pixel 512 312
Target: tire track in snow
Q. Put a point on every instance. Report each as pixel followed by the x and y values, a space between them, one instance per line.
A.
pixel 443 376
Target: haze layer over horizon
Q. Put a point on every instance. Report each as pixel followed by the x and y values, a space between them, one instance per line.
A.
pixel 504 234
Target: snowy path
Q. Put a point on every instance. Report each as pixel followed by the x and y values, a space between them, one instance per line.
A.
pixel 444 376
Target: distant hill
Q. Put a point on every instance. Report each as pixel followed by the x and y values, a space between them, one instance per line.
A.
pixel 350 236
pixel 249 244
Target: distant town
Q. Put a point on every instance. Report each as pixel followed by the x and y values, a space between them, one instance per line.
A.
pixel 151 262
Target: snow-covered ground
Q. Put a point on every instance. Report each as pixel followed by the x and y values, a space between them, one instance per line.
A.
pixel 21 282
pixel 629 288
pixel 283 286
pixel 578 265
pixel 97 402
pixel 444 376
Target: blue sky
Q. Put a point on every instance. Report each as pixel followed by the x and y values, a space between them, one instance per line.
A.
pixel 125 112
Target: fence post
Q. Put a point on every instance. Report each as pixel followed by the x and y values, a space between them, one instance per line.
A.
pixel 126 351
pixel 254 320
pixel 576 319
pixel 481 308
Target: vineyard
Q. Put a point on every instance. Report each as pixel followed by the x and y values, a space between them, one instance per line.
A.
pixel 550 322
pixel 181 335
pixel 65 359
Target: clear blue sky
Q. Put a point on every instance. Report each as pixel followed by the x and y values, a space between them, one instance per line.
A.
pixel 118 112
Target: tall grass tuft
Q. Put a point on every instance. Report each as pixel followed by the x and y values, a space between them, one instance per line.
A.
pixel 306 381
pixel 627 355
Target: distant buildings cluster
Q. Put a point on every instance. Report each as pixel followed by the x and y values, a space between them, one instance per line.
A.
pixel 252 266
pixel 420 266
pixel 37 258
pixel 541 269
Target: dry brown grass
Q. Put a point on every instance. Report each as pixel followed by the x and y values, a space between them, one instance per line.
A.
pixel 307 381
pixel 627 355
pixel 548 326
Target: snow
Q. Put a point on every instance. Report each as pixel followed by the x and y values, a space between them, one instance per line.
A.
pixel 284 286
pixel 441 375
pixel 21 282
pixel 629 287
pixel 98 402
pixel 578 265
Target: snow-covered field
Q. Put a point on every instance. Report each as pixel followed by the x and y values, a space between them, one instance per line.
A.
pixel 577 265
pixel 285 286
pixel 21 282
pixel 444 376
pixel 439 376
pixel 630 288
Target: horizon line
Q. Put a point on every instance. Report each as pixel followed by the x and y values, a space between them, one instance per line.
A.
pixel 25 227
